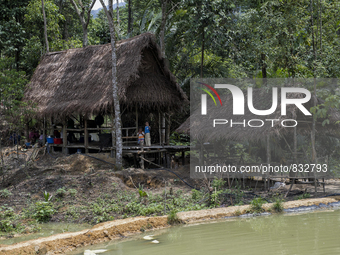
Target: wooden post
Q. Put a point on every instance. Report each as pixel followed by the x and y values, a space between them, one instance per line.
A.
pixel 159 128
pixel 268 159
pixel 86 136
pixel 292 174
pixel 183 158
pixel 136 119
pixel 168 128
pixel 65 137
pixel 163 128
pixel 142 160
pixel 44 131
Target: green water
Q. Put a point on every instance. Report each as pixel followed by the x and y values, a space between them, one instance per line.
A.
pixel 312 233
pixel 47 229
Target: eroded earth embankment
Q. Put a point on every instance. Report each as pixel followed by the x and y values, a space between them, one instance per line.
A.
pixel 62 243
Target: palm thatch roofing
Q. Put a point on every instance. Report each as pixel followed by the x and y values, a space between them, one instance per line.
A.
pixel 80 80
pixel 201 128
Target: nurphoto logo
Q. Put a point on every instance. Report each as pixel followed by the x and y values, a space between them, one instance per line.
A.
pixel 238 104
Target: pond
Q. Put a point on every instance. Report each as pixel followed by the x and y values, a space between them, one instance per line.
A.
pixel 309 233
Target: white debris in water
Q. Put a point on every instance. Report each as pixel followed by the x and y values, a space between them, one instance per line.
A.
pixel 94 252
pixel 155 241
pixel 148 237
pixel 88 252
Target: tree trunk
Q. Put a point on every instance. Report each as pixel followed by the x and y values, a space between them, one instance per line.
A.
pixel 320 16
pixel 118 129
pixel 264 66
pixel 117 8
pixel 314 158
pixel 129 17
pixel 85 39
pixel 45 26
pixel 202 56
pixel 83 20
pixel 163 23
pixel 314 93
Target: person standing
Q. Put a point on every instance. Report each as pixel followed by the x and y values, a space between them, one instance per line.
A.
pixel 147 134
pixel 140 137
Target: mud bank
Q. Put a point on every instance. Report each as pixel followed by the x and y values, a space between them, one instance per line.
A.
pixel 62 243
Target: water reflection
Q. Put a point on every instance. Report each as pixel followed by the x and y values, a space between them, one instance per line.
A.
pixel 312 233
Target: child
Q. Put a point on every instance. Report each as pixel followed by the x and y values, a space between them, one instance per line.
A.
pixel 147 134
pixel 140 137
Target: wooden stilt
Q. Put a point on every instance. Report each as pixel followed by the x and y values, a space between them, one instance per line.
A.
pixel 44 131
pixel 65 151
pixel 142 158
pixel 183 158
pixel 137 120
pixel 163 128
pixel 159 128
pixel 268 159
pixel 86 136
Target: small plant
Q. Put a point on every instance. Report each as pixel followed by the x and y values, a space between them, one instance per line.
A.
pixel 72 192
pixel 278 205
pixel 218 183
pixel 256 205
pixel 47 196
pixel 173 218
pixel 5 193
pixel 43 211
pixel 141 192
pixel 238 213
pixel 195 194
pixel 215 198
pixel 61 192
pixel 304 196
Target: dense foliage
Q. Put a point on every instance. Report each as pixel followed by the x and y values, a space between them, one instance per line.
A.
pixel 203 38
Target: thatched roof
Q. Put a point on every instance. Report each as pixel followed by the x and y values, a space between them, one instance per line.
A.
pixel 200 127
pixel 79 80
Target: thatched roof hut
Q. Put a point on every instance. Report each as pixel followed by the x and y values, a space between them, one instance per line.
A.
pixel 79 80
pixel 200 127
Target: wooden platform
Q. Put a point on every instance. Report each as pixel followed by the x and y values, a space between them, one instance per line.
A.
pixel 127 148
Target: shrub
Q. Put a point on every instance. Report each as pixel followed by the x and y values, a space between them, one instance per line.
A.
pixel 6 226
pixel 72 192
pixel 5 193
pixel 218 183
pixel 61 192
pixel 256 205
pixel 173 218
pixel 195 194
pixel 278 205
pixel 215 200
pixel 43 211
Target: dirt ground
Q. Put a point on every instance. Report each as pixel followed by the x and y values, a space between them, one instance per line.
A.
pixel 94 176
